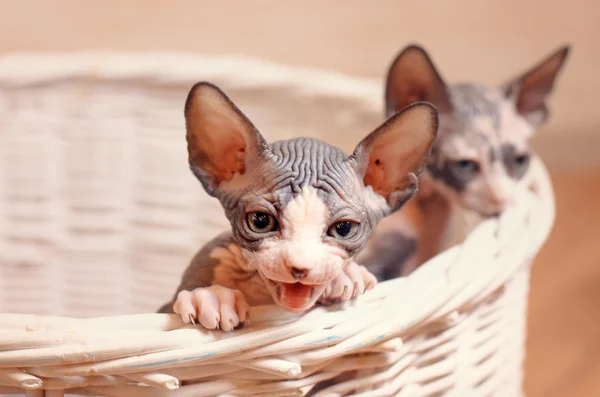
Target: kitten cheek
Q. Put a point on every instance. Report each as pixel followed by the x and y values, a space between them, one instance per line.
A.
pixel 259 254
pixel 339 252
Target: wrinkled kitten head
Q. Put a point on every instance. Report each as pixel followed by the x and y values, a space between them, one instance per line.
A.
pixel 482 151
pixel 300 208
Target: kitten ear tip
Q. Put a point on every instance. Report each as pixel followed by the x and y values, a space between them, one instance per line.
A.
pixel 193 94
pixel 562 54
pixel 204 91
pixel 204 83
pixel 410 48
pixel 414 47
pixel 566 50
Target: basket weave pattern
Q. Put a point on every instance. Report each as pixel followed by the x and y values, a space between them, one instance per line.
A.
pixel 99 215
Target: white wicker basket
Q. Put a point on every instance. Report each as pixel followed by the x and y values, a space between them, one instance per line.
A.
pixel 99 215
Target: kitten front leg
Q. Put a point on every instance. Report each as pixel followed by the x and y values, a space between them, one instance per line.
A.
pixel 352 281
pixel 213 307
pixel 199 297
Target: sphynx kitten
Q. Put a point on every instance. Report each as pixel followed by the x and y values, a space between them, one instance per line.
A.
pixel 479 159
pixel 300 209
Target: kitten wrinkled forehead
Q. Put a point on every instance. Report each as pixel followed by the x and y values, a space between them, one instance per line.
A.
pixel 483 120
pixel 304 162
pixel 473 101
pixel 292 165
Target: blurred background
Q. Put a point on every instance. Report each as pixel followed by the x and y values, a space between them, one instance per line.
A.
pixel 474 40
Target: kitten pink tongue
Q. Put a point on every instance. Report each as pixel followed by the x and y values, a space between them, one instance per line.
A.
pixel 295 296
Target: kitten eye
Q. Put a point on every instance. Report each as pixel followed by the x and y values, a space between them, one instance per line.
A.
pixel 522 160
pixel 464 170
pixel 343 230
pixel 260 222
pixel 467 165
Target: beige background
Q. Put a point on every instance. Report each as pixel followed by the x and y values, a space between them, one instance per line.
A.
pixel 486 41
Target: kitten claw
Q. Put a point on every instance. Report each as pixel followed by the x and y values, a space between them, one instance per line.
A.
pixel 214 307
pixel 239 326
pixel 353 281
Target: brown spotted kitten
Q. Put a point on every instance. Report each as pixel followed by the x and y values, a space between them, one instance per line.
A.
pixel 480 157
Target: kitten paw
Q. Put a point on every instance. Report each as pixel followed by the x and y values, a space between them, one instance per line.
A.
pixel 213 307
pixel 352 281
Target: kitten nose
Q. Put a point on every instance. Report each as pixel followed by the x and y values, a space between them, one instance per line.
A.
pixel 500 201
pixel 298 273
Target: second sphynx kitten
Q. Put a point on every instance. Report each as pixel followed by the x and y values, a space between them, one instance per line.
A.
pixel 479 159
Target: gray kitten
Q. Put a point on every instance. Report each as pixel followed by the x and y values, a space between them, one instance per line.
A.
pixel 299 209
pixel 479 159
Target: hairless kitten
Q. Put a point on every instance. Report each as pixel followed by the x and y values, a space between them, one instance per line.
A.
pixel 479 159
pixel 299 209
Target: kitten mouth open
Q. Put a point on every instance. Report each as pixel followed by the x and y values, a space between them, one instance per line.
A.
pixel 296 297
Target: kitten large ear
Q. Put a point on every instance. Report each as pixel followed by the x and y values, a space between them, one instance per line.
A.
pixel 392 157
pixel 221 140
pixel 413 77
pixel 530 90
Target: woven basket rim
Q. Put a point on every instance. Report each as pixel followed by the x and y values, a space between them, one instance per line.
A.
pixel 18 69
